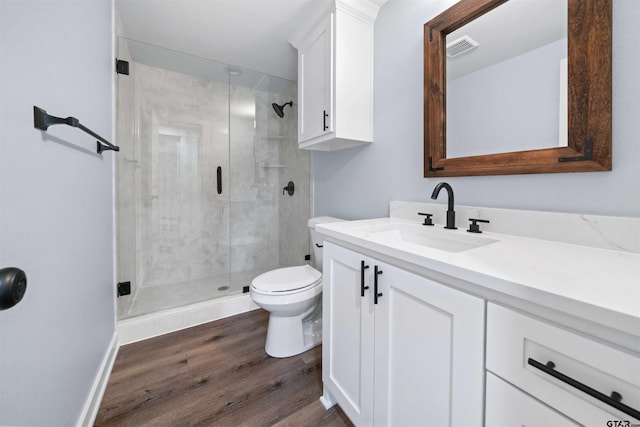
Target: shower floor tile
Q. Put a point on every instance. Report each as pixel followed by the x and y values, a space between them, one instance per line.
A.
pixel 150 299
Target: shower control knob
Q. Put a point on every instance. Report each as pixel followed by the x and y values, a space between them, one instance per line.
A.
pixel 289 188
pixel 13 285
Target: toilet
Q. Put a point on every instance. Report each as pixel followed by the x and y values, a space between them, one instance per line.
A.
pixel 293 297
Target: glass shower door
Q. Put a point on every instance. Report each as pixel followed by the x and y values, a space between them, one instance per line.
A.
pixel 181 240
pixel 173 224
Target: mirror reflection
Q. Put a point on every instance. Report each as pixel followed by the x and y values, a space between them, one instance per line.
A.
pixel 507 80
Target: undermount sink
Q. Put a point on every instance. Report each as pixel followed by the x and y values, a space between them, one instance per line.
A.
pixel 445 240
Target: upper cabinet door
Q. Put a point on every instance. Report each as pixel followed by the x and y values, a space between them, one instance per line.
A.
pixel 335 76
pixel 315 85
pixel 429 346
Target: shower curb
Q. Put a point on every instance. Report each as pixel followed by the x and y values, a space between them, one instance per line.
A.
pixel 151 325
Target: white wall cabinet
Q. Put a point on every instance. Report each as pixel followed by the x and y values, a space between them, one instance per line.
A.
pixel 335 77
pixel 407 351
pixel 315 62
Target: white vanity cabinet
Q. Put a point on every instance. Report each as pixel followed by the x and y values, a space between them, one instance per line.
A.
pixel 348 328
pixel 408 351
pixel 495 332
pixel 506 406
pixel 335 78
pixel 558 367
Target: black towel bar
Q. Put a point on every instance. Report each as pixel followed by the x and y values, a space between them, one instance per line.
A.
pixel 42 121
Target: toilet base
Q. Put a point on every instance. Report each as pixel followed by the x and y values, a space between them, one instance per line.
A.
pixel 291 335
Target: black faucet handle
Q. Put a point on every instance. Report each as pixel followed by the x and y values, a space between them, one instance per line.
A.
pixel 474 227
pixel 427 219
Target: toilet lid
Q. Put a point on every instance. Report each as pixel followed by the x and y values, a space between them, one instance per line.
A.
pixel 287 279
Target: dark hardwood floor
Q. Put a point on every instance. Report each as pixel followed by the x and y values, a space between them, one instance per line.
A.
pixel 216 374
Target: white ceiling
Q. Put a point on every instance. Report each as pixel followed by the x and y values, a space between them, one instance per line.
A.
pixel 251 34
pixel 254 34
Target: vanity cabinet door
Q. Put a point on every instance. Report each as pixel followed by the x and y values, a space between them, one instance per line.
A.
pixel 347 345
pixel 507 406
pixel 315 65
pixel 429 346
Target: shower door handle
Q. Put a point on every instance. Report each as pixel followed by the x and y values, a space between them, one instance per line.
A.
pixel 219 179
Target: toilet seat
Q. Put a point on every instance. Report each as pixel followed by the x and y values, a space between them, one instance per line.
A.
pixel 288 280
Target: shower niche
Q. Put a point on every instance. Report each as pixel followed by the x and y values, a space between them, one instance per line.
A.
pixel 204 157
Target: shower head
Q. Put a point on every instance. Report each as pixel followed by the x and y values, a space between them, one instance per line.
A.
pixel 279 109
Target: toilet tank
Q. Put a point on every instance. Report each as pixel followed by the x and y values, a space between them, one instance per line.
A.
pixel 316 254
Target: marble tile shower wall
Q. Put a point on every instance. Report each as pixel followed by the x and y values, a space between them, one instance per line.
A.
pixel 294 211
pixel 268 229
pixel 183 223
pixel 183 230
pixel 254 197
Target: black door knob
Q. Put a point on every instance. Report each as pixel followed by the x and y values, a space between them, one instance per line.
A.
pixel 13 285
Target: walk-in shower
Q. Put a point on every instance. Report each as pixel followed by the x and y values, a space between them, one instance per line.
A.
pixel 200 177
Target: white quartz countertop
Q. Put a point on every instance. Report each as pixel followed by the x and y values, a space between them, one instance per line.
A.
pixel 599 285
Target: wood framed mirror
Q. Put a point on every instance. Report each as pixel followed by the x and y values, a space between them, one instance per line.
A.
pixel 588 143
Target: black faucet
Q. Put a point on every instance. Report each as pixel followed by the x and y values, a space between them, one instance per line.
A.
pixel 451 215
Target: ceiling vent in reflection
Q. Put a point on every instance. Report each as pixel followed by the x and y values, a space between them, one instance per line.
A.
pixel 460 46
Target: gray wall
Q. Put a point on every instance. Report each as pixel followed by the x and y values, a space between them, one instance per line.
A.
pixel 56 206
pixel 359 182
pixel 513 105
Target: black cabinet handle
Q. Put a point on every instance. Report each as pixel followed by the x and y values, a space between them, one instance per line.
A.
pixel 324 120
pixel 613 400
pixel 376 294
pixel 363 267
pixel 219 179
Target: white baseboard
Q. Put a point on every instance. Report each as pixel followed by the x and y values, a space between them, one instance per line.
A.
pixel 154 324
pixel 151 325
pixel 92 404
pixel 327 399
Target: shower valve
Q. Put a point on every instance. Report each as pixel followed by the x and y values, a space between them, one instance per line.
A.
pixel 289 188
